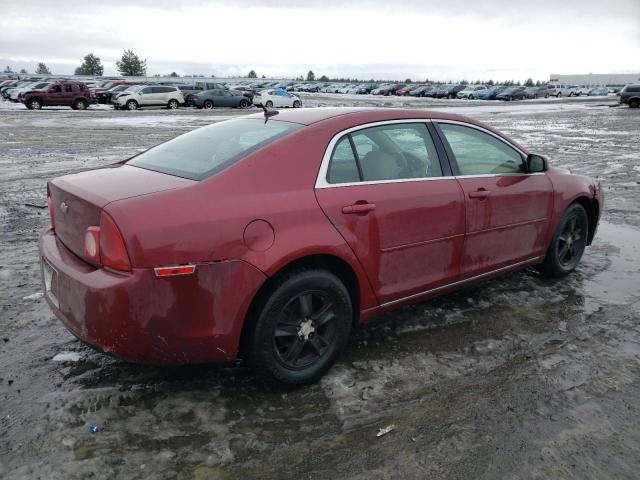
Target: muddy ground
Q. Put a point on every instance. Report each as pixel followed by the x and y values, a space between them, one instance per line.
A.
pixel 521 377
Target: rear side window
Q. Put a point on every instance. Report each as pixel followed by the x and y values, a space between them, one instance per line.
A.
pixel 388 152
pixel 633 89
pixel 206 151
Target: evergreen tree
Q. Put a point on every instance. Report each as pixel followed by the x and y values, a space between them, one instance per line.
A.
pixel 8 70
pixel 131 66
pixel 174 74
pixel 252 74
pixel 324 78
pixel 90 66
pixel 22 70
pixel 529 82
pixel 310 76
pixel 42 69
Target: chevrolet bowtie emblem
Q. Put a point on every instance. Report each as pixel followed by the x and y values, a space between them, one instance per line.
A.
pixel 64 207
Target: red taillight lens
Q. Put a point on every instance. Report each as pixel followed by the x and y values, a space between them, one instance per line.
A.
pixel 92 244
pixel 50 204
pixel 196 97
pixel 113 251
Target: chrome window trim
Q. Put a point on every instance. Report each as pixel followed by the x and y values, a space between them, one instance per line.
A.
pixel 321 179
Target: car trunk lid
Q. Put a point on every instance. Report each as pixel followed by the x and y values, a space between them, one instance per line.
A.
pixel 78 199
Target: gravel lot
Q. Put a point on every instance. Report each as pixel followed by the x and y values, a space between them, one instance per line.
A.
pixel 518 378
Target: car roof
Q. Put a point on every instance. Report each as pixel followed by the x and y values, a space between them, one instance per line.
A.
pixel 309 116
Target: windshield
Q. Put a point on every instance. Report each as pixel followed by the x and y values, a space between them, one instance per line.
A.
pixel 209 150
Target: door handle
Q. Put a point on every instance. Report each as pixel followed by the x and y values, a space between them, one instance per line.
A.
pixel 480 194
pixel 359 208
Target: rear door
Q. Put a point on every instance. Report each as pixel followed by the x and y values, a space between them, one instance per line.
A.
pixel 67 95
pixel 398 207
pixel 507 209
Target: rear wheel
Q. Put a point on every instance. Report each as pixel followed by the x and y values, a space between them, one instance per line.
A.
pixel 80 105
pixel 34 104
pixel 297 104
pixel 173 104
pixel 244 103
pixel 449 96
pixel 208 104
pixel 568 243
pixel 470 97
pixel 132 105
pixel 635 103
pixel 269 104
pixel 301 325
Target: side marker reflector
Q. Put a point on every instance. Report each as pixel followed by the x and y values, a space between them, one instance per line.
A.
pixel 174 271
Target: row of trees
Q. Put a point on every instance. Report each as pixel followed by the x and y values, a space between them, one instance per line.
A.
pixel 130 65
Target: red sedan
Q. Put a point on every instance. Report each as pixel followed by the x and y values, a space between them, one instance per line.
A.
pixel 274 236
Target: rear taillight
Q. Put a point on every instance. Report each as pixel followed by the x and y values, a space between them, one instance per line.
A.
pixel 196 97
pixel 113 252
pixel 50 205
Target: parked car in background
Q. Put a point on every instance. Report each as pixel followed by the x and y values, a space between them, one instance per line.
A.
pixel 104 97
pixel 219 98
pixel 449 91
pixel 469 91
pixel 223 238
pixel 277 98
pixel 421 91
pixel 630 95
pixel 512 93
pixel 366 88
pixel 7 89
pixel 537 92
pixel 66 94
pixel 561 90
pixel 599 92
pixel 246 91
pixel 404 91
pixel 150 96
pixel 489 93
pixel 581 90
pixel 16 94
pixel 387 89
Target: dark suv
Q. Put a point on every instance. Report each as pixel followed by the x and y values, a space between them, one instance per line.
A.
pixel 67 94
pixel 631 96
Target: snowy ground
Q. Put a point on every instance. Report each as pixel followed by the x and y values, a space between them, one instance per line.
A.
pixel 517 378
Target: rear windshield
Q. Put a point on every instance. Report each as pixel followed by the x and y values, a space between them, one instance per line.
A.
pixel 209 150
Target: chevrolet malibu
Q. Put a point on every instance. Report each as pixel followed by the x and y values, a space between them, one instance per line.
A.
pixel 271 236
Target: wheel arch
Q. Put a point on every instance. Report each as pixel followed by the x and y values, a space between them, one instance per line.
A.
pixel 593 213
pixel 331 263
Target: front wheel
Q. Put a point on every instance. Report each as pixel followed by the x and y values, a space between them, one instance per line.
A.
pixel 297 104
pixel 568 243
pixel 80 105
pixel 132 105
pixel 173 104
pixel 299 326
pixel 34 104
pixel 634 103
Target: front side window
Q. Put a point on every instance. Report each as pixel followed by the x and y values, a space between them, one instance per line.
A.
pixel 146 90
pixel 209 150
pixel 389 152
pixel 478 153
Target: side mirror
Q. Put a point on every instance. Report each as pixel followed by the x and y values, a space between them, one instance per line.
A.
pixel 536 163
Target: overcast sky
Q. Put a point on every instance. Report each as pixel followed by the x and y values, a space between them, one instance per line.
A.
pixel 441 40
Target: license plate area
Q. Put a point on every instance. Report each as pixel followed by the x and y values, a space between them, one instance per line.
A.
pixel 50 282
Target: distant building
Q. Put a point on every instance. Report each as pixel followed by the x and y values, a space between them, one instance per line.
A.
pixel 597 79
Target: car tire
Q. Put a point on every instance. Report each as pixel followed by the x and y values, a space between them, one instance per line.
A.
pixel 244 103
pixel 286 343
pixel 207 105
pixel 79 105
pixel 568 243
pixel 559 95
pixel 132 105
pixel 546 95
pixel 470 97
pixel 173 104
pixel 634 103
pixel 34 104
pixel 449 96
pixel 268 104
pixel 297 104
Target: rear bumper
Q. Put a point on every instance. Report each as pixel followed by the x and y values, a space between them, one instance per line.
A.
pixel 140 318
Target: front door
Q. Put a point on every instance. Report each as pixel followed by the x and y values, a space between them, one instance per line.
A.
pixel 507 208
pixel 386 193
